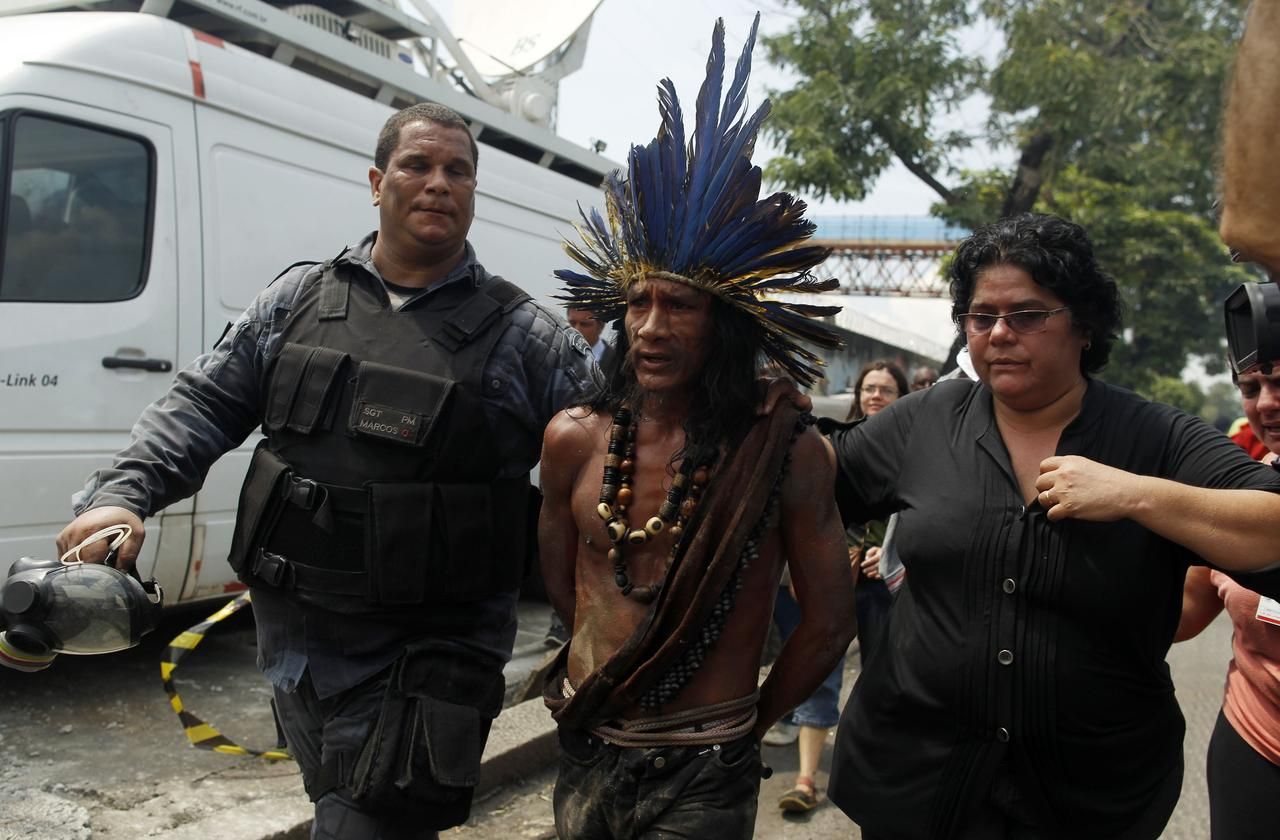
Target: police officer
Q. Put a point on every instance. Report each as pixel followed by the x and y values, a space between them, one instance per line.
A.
pixel 383 523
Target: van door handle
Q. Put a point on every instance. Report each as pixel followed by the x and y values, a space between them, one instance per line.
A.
pixel 152 365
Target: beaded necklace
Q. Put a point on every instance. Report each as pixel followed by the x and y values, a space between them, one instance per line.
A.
pixel 616 496
pixel 680 672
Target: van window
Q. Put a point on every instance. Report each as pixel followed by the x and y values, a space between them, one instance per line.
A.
pixel 75 220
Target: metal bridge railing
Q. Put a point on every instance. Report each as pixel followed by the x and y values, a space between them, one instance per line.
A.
pixel 896 269
pixel 887 229
pixel 887 255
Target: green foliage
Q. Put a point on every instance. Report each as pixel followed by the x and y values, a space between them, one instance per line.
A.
pixel 1221 404
pixel 856 109
pixel 977 200
pixel 1131 92
pixel 1173 391
pixel 1112 107
pixel 1172 269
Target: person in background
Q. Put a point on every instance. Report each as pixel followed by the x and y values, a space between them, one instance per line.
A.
pixel 809 723
pixel 592 329
pixel 923 377
pixel 1243 763
pixel 879 385
pixel 1241 432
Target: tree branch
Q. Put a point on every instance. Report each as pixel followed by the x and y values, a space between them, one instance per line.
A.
pixel 912 165
pixel 1030 176
pixel 925 175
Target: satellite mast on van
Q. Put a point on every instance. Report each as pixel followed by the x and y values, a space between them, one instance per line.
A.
pixel 374 48
pixel 524 49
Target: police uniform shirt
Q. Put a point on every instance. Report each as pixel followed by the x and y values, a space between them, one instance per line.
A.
pixel 216 403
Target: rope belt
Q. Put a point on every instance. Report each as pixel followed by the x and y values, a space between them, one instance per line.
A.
pixel 714 724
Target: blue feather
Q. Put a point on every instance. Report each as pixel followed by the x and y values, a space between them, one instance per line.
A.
pixel 676 163
pixel 706 144
pixel 693 207
pixel 737 96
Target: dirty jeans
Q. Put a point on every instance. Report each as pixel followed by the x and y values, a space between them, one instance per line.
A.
pixel 694 792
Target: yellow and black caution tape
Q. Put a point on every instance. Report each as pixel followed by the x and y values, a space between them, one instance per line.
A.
pixel 199 733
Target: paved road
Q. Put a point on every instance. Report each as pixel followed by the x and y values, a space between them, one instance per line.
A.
pixel 91 748
pixel 1199 667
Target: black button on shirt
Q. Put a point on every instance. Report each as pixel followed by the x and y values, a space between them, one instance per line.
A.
pixel 1099 733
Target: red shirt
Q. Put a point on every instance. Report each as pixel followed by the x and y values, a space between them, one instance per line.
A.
pixel 1246 441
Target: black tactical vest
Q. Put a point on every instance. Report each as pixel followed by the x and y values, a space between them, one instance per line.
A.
pixel 377 488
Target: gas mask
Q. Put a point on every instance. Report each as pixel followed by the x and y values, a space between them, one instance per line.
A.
pixel 60 606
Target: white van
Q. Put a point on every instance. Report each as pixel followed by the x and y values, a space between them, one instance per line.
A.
pixel 154 179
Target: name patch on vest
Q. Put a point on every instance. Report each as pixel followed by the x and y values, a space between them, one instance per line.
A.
pixel 388 422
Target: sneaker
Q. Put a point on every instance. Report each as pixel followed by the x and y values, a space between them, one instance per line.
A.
pixel 782 734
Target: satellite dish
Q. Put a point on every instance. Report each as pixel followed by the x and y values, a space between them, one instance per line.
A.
pixel 502 37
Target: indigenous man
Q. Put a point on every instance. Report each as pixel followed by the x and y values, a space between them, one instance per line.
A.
pixel 670 507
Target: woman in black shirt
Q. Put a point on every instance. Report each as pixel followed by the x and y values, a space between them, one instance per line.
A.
pixel 1047 521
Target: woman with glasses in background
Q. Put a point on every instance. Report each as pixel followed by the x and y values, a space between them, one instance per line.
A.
pixel 878 385
pixel 1046 523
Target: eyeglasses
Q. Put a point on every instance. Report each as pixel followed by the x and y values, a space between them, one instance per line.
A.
pixel 1026 322
pixel 886 390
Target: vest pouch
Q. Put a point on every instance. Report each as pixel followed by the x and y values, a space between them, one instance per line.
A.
pixel 397 405
pixel 466 538
pixel 398 546
pixel 262 498
pixel 426 745
pixel 459 542
pixel 300 393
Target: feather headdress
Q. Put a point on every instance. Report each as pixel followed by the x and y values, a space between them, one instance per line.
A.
pixel 693 214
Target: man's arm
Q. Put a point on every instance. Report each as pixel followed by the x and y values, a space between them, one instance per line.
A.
pixel 1231 529
pixel 212 406
pixel 813 543
pixel 206 412
pixel 560 366
pixel 1251 160
pixel 563 446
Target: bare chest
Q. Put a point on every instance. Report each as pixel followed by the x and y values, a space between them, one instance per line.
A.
pixel 635 525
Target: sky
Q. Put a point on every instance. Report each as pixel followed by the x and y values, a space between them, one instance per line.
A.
pixel 635 43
